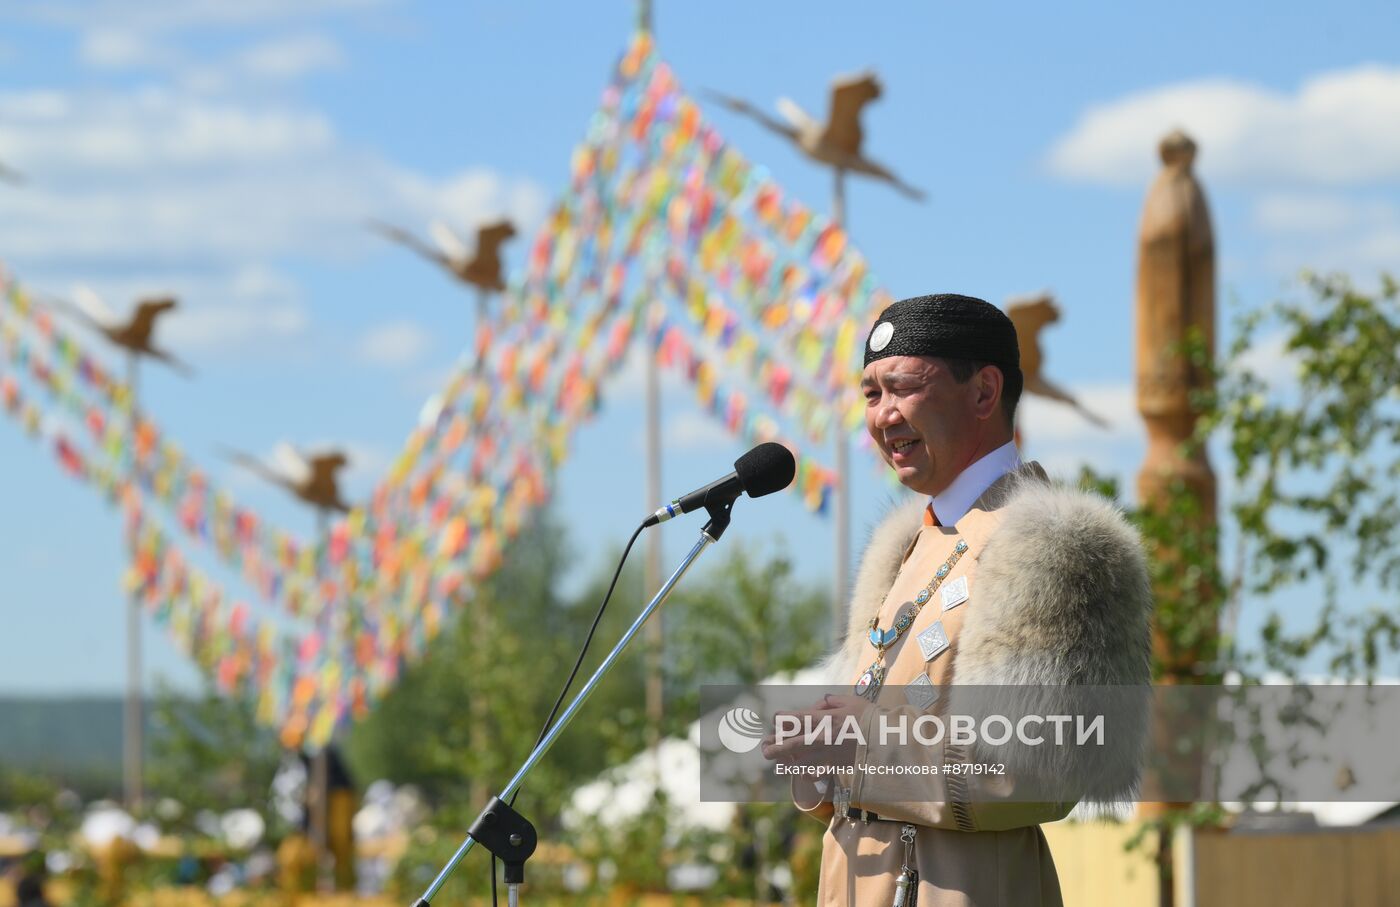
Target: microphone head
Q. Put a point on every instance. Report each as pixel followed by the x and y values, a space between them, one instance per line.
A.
pixel 767 468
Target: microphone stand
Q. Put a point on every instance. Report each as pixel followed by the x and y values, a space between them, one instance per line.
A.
pixel 502 830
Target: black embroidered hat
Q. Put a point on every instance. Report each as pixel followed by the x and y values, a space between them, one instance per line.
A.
pixel 948 326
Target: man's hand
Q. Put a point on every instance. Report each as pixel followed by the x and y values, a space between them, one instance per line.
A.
pixel 834 721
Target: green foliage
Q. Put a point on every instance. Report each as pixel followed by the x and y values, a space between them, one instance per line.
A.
pixel 1316 457
pixel 1306 403
pixel 736 620
pixel 748 618
pixel 19 788
pixel 1184 566
pixel 210 753
pixel 509 651
pixel 461 720
pixel 1339 429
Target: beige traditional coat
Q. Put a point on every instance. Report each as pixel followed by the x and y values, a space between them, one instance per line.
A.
pixel 1057 594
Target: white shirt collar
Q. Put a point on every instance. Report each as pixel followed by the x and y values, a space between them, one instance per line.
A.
pixel 952 503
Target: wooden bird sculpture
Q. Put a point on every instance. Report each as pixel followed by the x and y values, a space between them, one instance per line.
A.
pixel 1030 316
pixel 835 143
pixel 312 478
pixel 135 334
pixel 480 268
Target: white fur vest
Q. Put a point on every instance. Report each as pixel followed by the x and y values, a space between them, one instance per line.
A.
pixel 1062 600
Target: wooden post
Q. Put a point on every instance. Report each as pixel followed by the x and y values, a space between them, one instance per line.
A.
pixel 133 711
pixel 319 781
pixel 651 566
pixel 1175 298
pixel 838 197
pixel 841 516
pixel 478 707
pixel 1175 294
pixel 651 580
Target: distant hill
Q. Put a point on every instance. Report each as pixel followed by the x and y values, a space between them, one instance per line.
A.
pixel 75 741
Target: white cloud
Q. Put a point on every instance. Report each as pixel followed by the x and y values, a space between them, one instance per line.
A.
pixel 1314 213
pixel 1338 128
pixel 95 136
pixel 238 311
pixel 471 197
pixel 1044 420
pixel 290 58
pixel 35 104
pixel 164 176
pixel 174 15
pixel 1329 231
pixel 1269 360
pixel 227 328
pixel 1381 248
pixel 120 48
pixel 277 59
pixel 686 430
pixel 690 431
pixel 1062 440
pixel 197 180
pixel 393 344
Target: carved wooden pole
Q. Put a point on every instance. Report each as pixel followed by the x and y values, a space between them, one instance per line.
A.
pixel 1175 299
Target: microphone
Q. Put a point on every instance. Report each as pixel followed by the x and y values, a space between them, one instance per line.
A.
pixel 767 468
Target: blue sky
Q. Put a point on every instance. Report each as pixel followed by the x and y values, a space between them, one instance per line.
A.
pixel 230 152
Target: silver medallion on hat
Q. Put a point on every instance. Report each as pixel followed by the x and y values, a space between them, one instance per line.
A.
pixel 880 337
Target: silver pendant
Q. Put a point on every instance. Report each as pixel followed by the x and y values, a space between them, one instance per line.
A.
pixel 868 686
pixel 906 887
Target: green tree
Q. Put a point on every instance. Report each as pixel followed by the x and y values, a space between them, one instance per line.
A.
pixel 747 618
pixel 1306 403
pixel 1314 455
pixel 209 752
pixel 20 788
pixel 424 731
pixel 735 620
pixel 1316 462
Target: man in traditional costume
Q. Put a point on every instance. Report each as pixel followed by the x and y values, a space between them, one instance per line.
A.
pixel 992 577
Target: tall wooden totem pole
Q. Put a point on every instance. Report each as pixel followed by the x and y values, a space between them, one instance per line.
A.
pixel 1176 303
pixel 1175 300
